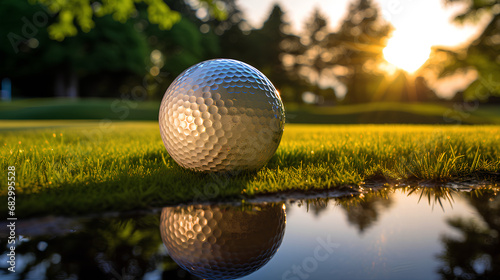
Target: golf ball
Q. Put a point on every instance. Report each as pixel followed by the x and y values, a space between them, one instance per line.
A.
pixel 222 242
pixel 221 115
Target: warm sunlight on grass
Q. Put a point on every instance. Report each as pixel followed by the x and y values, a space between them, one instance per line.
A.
pixel 62 168
pixel 404 52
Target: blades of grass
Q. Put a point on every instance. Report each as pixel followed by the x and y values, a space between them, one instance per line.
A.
pixel 440 204
pixel 411 192
pixel 475 161
pixel 163 159
pixel 421 194
pixel 450 199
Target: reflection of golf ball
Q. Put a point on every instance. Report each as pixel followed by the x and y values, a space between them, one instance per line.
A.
pixel 215 242
pixel 221 115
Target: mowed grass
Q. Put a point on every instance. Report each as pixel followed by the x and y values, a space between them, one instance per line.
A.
pixel 76 167
pixel 373 112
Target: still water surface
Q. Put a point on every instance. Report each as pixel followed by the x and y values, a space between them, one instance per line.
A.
pixel 405 233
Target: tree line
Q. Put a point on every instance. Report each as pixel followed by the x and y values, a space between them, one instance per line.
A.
pixel 102 50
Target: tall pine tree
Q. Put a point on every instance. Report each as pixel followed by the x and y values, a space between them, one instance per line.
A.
pixel 357 47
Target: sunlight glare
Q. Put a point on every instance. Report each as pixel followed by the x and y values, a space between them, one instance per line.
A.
pixel 404 52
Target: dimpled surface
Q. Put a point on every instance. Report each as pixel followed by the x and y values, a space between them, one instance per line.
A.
pixel 221 115
pixel 215 242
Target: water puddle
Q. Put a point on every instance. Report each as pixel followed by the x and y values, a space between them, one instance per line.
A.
pixel 391 233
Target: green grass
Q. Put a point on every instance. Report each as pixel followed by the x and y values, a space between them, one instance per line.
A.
pixel 92 108
pixel 394 113
pixel 75 167
pixel 375 113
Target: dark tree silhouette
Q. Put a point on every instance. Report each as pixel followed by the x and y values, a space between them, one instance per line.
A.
pixel 112 47
pixel 265 49
pixel 106 61
pixel 476 253
pixel 308 59
pixel 364 211
pixel 315 59
pixel 481 55
pixel 357 48
pixel 268 49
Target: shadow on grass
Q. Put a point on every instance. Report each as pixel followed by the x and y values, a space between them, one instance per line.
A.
pixel 160 185
pixel 153 179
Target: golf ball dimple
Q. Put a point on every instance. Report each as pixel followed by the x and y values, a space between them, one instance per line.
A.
pixel 221 115
pixel 222 242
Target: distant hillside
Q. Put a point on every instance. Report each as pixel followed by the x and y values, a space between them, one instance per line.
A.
pixel 123 109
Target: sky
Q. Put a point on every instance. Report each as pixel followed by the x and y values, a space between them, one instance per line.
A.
pixel 405 16
pixel 419 24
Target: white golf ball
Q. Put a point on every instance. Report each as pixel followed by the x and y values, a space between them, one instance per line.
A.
pixel 221 115
pixel 222 242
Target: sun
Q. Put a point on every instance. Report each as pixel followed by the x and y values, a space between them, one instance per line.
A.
pixel 406 53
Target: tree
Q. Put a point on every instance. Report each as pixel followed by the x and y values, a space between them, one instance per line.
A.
pixel 356 49
pixel 307 59
pixel 83 13
pixel 363 212
pixel 111 58
pixel 175 50
pixel 269 38
pixel 113 47
pixel 482 54
pixel 233 35
pixel 475 252
pixel 265 49
pixel 315 58
pixel 270 45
